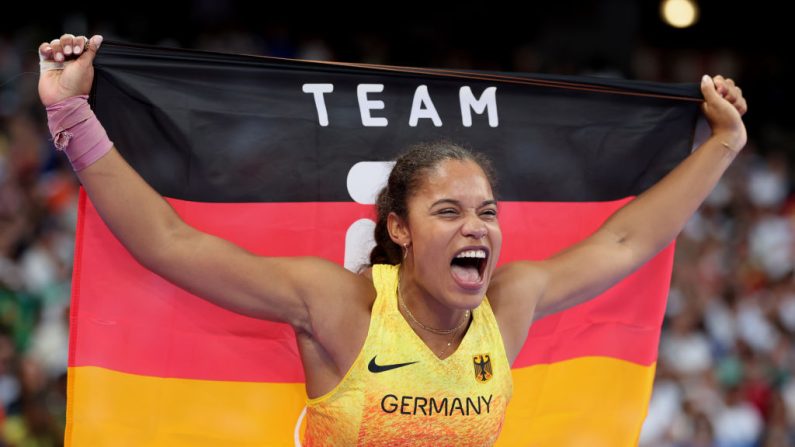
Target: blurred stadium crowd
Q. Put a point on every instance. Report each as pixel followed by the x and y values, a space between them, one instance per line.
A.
pixel 724 374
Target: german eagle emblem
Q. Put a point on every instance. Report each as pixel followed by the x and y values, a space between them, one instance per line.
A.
pixel 483 371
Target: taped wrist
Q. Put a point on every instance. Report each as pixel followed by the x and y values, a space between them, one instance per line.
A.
pixel 77 132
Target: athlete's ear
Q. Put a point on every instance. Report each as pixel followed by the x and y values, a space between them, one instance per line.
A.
pixel 398 229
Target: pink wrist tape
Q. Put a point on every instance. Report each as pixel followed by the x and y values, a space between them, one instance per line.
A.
pixel 77 131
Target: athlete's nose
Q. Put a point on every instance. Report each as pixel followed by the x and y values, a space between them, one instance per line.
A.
pixel 475 228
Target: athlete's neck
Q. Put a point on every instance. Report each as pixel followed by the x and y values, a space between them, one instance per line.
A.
pixel 424 307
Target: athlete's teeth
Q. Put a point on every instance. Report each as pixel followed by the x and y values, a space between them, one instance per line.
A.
pixel 472 254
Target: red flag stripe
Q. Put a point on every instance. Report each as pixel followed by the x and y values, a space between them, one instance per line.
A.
pixel 145 325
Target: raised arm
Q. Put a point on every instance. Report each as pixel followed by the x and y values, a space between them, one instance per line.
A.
pixel 278 289
pixel 640 229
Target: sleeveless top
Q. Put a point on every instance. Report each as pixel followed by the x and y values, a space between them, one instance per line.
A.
pixel 398 392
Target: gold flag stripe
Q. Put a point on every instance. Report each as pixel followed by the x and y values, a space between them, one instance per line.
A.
pixel 119 409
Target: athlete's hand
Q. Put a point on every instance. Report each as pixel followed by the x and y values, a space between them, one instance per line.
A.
pixel 66 67
pixel 724 107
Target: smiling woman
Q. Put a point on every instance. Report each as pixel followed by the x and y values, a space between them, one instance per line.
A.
pixel 423 341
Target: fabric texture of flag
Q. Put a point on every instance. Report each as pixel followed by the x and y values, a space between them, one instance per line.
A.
pixel 283 157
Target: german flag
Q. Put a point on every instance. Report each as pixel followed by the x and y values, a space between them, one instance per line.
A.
pixel 283 157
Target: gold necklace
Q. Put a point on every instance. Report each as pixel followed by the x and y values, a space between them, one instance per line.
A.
pixel 454 330
pixel 430 329
pixel 450 343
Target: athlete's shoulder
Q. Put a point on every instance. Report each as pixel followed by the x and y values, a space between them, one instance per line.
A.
pixel 367 273
pixel 339 294
pixel 513 294
pixel 340 312
pixel 515 281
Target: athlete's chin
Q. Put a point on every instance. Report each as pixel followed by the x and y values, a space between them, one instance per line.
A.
pixel 467 299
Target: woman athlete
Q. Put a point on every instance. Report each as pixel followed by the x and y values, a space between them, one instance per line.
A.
pixel 388 353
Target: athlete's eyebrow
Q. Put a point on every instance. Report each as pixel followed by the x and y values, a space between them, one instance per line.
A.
pixel 457 203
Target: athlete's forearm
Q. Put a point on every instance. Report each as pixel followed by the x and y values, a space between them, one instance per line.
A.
pixel 653 219
pixel 136 214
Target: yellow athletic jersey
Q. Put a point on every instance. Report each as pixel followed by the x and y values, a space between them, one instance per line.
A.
pixel 398 392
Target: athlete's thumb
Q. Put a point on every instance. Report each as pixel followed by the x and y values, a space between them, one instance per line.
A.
pixel 708 89
pixel 92 47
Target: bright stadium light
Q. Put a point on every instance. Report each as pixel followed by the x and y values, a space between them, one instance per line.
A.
pixel 679 13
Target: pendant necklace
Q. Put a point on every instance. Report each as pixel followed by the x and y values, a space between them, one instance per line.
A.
pixel 453 331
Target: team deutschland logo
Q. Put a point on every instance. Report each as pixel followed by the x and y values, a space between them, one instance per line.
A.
pixel 482 364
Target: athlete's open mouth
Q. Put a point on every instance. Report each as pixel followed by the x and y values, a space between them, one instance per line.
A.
pixel 469 264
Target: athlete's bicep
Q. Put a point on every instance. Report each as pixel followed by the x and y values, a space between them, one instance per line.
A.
pixel 272 288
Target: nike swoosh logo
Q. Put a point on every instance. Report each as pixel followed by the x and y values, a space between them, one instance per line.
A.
pixel 376 368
